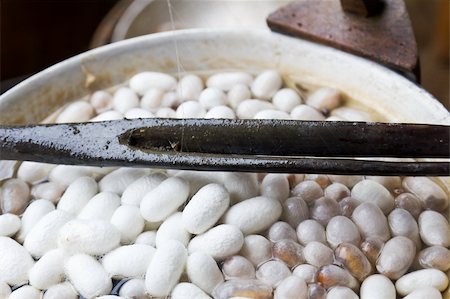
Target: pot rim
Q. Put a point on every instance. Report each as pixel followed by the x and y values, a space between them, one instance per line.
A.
pixel 379 72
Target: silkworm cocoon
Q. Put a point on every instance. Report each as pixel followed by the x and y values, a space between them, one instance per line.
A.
pixel 434 229
pixel 371 191
pixel 281 230
pixel 237 94
pixel 219 242
pixel 100 207
pixel 226 81
pixel 272 114
pixel 165 268
pixel 101 101
pixel 166 113
pixel 50 191
pixel 9 224
pixel 306 272
pixel 118 180
pixel 291 287
pixel 275 186
pixel 247 109
pixel 146 238
pixel 273 273
pixel 240 185
pixel 431 195
pixel 49 269
pixel 43 236
pixel 26 292
pixel 371 221
pixel 250 288
pixel 87 276
pixel 238 267
pixel 254 215
pixel 308 191
pixel 107 115
pixel 339 292
pixel 165 199
pixel 317 254
pixel 5 290
pixel 190 87
pixel 212 97
pixel 286 99
pixel 124 99
pixel 324 99
pixel 221 112
pixel 426 292
pixel 389 182
pixel 205 208
pixel 94 237
pixel 15 262
pixel 202 270
pixel 142 82
pixel 190 109
pixel 138 113
pixel 152 99
pixel 62 290
pixel 310 230
pixel 266 84
pixel 34 212
pixel 172 229
pixel 188 290
pixel 128 261
pixel 351 114
pixel 136 191
pixel 305 112
pixel 67 174
pixel 129 222
pixel 340 229
pixel 79 111
pixel 421 279
pixel 133 288
pixel 77 195
pixel 402 223
pixel 256 249
pixel 33 172
pixel 377 286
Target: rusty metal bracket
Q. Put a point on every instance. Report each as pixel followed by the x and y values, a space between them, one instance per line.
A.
pixel 380 31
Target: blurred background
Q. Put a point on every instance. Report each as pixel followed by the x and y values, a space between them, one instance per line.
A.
pixel 35 34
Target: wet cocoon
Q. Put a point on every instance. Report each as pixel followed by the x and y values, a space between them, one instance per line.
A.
pixel 165 268
pixel 254 215
pixel 165 199
pixel 205 208
pixel 87 276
